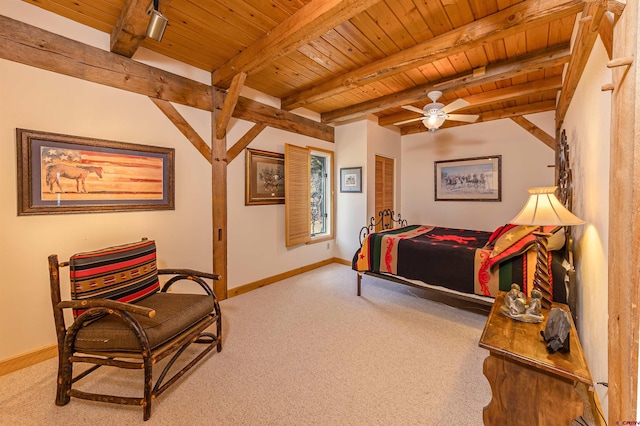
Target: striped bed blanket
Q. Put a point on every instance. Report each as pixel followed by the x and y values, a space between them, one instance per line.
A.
pixel 468 261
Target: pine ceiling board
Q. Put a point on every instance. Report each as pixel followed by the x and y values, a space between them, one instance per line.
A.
pixel 334 54
pixel 537 37
pixel 396 83
pixel 240 14
pixel 175 45
pixel 477 57
pixel 416 77
pixel 277 12
pixel 536 75
pixel 195 24
pixel 382 15
pixel 289 6
pixel 515 45
pixel 435 16
pixel 209 22
pixel 495 51
pixel 359 41
pixel 338 42
pixel 408 14
pixel 270 83
pixel 312 67
pixel 93 18
pixel 182 41
pixel 482 8
pixel 459 12
pixel 257 25
pixel 430 72
pixel 561 29
pixel 460 63
pixel 326 61
pixel 445 68
pixel 503 4
pixel 372 31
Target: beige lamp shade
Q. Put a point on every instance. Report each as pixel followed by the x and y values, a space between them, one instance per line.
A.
pixel 544 209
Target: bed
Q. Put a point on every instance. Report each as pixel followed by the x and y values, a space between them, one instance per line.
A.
pixel 462 262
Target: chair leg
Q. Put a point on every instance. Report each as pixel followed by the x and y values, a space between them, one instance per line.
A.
pixel 219 331
pixel 148 388
pixel 65 377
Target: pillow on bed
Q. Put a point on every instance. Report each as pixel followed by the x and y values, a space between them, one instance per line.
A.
pixel 514 240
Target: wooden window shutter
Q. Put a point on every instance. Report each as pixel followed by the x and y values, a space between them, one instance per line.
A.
pixel 297 205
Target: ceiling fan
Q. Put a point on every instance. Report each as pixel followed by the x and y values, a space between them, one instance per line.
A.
pixel 435 113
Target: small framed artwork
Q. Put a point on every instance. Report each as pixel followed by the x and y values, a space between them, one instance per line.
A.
pixel 73 174
pixel 351 179
pixel 264 178
pixel 469 179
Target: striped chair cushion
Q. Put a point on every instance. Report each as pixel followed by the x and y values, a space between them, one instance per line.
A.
pixel 126 273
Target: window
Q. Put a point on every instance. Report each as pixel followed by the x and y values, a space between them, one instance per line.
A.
pixel 308 194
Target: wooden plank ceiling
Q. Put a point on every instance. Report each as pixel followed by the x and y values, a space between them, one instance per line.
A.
pixel 348 58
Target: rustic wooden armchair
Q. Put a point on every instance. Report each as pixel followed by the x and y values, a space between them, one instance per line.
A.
pixel 123 319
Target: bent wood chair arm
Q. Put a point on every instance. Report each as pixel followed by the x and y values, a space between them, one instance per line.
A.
pixel 189 272
pixel 190 275
pixel 108 304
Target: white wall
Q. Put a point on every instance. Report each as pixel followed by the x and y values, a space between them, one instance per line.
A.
pixel 256 248
pixel 40 100
pixel 587 125
pixel 351 149
pixel 525 162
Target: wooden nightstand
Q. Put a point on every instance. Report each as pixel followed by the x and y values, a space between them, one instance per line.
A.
pixel 530 386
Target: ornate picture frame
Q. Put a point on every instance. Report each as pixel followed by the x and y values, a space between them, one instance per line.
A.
pixel 264 178
pixel 469 179
pixel 60 174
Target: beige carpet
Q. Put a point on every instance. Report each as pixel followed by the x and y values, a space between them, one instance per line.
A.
pixel 304 351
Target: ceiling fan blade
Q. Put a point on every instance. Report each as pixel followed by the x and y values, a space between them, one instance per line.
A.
pixel 412 108
pixel 457 104
pixel 463 117
pixel 408 121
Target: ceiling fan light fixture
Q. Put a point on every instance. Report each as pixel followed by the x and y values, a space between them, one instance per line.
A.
pixel 433 122
pixel 157 23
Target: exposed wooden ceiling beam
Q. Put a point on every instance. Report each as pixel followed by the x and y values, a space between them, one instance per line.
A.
pixel 584 41
pixel 259 113
pixel 230 102
pixel 130 28
pixel 244 141
pixel 521 65
pixel 311 21
pixel 185 128
pixel 29 45
pixel 606 33
pixel 536 131
pixel 534 108
pixel 487 98
pixel 509 21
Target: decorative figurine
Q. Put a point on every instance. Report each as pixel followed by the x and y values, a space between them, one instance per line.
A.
pixel 556 333
pixel 513 295
pixel 515 306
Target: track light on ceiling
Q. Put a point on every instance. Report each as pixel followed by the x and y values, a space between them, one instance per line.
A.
pixel 157 23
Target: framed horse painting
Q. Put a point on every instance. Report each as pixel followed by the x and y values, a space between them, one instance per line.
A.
pixel 72 174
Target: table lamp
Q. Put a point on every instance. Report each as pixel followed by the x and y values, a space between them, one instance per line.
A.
pixel 544 209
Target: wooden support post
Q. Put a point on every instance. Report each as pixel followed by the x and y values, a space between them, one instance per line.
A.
pixel 219 197
pixel 624 223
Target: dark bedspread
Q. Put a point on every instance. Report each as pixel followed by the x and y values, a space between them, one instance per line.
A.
pixel 458 259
